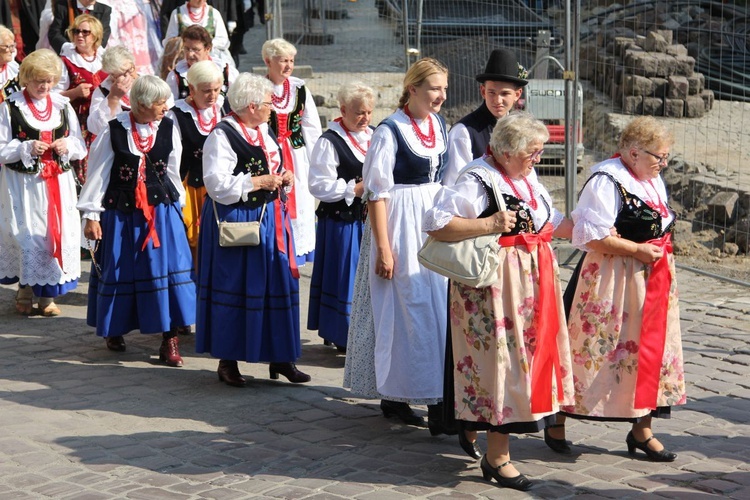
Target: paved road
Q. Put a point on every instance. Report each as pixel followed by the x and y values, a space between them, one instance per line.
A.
pixel 81 422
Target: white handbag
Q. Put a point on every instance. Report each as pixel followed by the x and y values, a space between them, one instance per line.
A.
pixel 239 234
pixel 474 261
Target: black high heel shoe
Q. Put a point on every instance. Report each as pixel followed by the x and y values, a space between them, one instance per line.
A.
pixel 655 456
pixel 557 445
pixel 289 370
pixel 471 449
pixel 401 410
pixel 520 482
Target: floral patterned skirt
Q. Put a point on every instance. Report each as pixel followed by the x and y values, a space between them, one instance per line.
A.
pixel 605 328
pixel 493 332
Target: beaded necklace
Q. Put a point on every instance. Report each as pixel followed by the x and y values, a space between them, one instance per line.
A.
pixel 196 18
pixel 532 202
pixel 258 142
pixel 660 207
pixel 351 138
pixel 430 138
pixel 141 144
pixel 283 98
pixel 208 125
pixel 43 115
pixel 93 57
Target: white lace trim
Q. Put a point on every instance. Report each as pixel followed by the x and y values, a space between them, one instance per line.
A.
pixel 69 50
pixel 436 219
pixel 584 231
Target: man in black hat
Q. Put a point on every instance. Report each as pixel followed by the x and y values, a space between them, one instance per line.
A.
pixel 501 86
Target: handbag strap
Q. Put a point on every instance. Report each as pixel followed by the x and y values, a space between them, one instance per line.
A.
pixel 216 212
pixel 498 195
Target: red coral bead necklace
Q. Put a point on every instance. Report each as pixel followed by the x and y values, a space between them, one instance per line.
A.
pixel 143 145
pixel 196 18
pixel 351 138
pixel 532 202
pixel 428 140
pixel 208 125
pixel 43 115
pixel 282 101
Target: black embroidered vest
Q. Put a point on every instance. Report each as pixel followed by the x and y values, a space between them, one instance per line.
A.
pixel 411 168
pixel 252 160
pixel 293 121
pixel 191 163
pixel 635 221
pixel 349 168
pixel 120 194
pixel 24 132
pixel 524 220
pixel 479 123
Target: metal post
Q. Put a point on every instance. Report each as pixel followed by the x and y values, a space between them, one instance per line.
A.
pixel 274 26
pixel 542 51
pixel 570 98
pixel 418 34
pixel 405 26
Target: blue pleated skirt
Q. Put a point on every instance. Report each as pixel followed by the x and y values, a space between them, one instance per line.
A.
pixel 248 300
pixel 332 284
pixel 148 290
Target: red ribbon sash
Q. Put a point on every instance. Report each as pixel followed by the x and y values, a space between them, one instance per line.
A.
pixel 653 328
pixel 283 224
pixel 141 202
pixel 546 357
pixel 50 170
pixel 286 154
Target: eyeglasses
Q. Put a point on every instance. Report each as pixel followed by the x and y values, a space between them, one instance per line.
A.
pixel 536 155
pixel 193 50
pixel 128 71
pixel 661 160
pixel 77 32
pixel 7 48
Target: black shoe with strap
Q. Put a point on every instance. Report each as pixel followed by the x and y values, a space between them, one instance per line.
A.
pixel 557 445
pixel 655 456
pixel 519 482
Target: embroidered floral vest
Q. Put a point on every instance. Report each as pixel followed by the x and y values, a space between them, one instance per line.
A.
pixel 290 125
pixel 191 163
pixel 78 76
pixel 252 160
pixel 25 132
pixel 524 220
pixel 120 194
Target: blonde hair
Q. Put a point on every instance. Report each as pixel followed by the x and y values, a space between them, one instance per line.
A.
pixel 515 131
pixel 248 89
pixel 42 63
pixel 644 132
pixel 172 54
pixel 277 47
pixel 418 73
pixel 356 92
pixel 95 26
pixel 6 34
pixel 204 72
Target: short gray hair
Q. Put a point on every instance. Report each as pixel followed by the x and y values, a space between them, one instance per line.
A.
pixel 147 90
pixel 116 59
pixel 6 34
pixel 277 47
pixel 515 131
pixel 248 89
pixel 204 72
pixel 356 92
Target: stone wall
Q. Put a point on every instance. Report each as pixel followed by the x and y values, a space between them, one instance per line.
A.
pixel 646 75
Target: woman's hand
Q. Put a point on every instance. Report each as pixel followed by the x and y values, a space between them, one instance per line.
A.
pixel 384 263
pixel 39 148
pixel 647 253
pixel 502 222
pixel 83 90
pixel 267 182
pixel 92 230
pixel 359 189
pixel 287 178
pixel 60 146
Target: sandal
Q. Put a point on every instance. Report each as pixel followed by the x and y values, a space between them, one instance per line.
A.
pixel 23 301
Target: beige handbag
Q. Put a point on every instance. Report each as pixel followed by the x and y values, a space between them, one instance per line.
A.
pixel 239 234
pixel 473 261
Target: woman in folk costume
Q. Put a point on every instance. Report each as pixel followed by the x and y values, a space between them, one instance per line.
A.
pixel 296 123
pixel 248 303
pixel 83 73
pixel 399 356
pixel 196 45
pixel 508 367
pixel 39 226
pixel 195 118
pixel 200 13
pixel 8 66
pixel 140 274
pixel 336 180
pixel 624 318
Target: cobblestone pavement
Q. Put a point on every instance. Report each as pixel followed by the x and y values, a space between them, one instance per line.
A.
pixel 82 422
